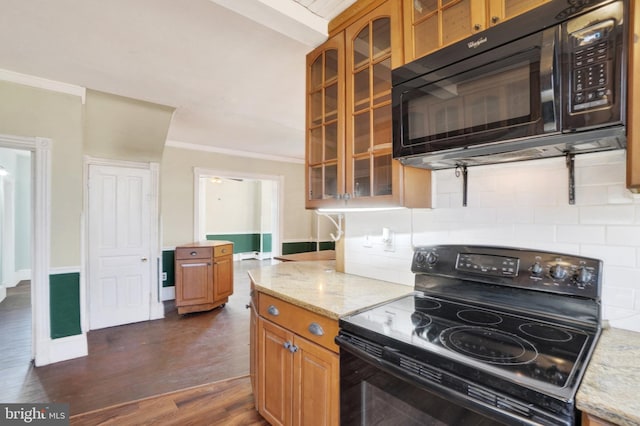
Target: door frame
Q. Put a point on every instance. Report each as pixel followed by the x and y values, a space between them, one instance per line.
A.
pixel 278 189
pixel 42 346
pixel 156 307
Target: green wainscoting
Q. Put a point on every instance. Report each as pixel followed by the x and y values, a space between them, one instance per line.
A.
pixel 168 266
pixel 64 304
pixel 306 246
pixel 245 243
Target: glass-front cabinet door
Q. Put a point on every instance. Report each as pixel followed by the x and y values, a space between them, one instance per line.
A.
pixel 502 10
pixel 370 170
pixel 432 24
pixel 325 124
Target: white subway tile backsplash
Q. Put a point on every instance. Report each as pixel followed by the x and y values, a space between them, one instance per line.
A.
pixel 607 215
pixel 581 234
pixel 557 215
pixel 525 205
pixel 623 235
pixel 619 297
pixel 611 255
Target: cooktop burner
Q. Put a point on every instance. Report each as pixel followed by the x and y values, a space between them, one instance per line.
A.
pixel 489 345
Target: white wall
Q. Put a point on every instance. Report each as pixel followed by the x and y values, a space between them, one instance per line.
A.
pixel 520 205
pixel 232 207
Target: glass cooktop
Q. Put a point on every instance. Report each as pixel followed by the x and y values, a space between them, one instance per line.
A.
pixel 525 349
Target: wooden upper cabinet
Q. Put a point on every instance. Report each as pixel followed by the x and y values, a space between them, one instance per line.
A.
pixel 432 24
pixel 325 124
pixel 502 10
pixel 373 46
pixel 349 126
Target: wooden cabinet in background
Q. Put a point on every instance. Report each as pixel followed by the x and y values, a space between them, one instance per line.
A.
pixel 432 24
pixel 349 145
pixel 298 365
pixel 204 275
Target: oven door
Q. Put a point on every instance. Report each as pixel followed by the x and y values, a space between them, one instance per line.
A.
pixel 506 93
pixel 377 391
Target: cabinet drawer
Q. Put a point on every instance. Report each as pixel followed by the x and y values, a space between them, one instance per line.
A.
pixel 225 250
pixel 193 253
pixel 311 326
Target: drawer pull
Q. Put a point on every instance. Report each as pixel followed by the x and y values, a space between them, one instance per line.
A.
pixel 272 310
pixel 315 328
pixel 194 253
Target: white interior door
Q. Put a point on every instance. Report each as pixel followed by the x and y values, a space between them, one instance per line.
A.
pixel 119 282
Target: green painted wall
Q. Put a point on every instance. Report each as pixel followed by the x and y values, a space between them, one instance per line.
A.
pixel 64 304
pixel 169 266
pixel 244 243
pixel 305 246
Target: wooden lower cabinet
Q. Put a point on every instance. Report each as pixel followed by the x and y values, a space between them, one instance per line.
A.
pixel 204 275
pixel 589 420
pixel 298 379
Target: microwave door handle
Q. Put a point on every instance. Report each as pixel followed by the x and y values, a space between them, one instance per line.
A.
pixel 548 80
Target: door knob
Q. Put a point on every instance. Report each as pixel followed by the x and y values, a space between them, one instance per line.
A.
pixel 144 259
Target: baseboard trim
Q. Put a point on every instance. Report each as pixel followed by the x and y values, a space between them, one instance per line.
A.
pixel 168 293
pixel 63 349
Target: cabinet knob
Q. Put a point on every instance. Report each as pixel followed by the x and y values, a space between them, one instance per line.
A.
pixel 477 27
pixel 287 344
pixel 495 19
pixel 316 329
pixel 272 310
pixel 247 306
pixel 194 253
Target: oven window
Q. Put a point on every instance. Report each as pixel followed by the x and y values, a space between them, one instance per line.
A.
pixel 371 396
pixel 496 98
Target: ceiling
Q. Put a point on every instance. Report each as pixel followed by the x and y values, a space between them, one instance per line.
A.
pixel 233 69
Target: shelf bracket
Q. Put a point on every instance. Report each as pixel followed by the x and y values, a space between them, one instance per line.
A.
pixel 571 168
pixel 461 169
pixel 337 224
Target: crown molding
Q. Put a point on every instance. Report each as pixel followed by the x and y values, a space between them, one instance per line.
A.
pixel 233 152
pixel 43 83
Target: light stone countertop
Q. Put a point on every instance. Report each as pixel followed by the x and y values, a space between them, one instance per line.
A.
pixel 316 286
pixel 610 388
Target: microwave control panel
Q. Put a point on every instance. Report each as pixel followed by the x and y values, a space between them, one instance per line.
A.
pixel 593 52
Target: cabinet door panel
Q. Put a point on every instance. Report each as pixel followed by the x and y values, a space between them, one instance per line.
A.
pixel 316 375
pixel 324 175
pixel 275 375
pixel 223 277
pixel 194 282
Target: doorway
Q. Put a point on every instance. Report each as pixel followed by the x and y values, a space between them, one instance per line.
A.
pixel 34 160
pixel 241 207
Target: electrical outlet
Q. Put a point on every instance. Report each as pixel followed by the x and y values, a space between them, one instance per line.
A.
pixel 387 239
pixel 367 241
pixel 164 276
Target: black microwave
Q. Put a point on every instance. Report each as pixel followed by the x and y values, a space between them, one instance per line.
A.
pixel 546 83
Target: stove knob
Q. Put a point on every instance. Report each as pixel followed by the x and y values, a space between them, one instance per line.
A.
pixel 420 259
pixel 583 276
pixel 558 272
pixel 536 268
pixel 432 258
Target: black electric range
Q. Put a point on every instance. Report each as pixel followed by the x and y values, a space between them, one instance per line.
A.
pixel 507 331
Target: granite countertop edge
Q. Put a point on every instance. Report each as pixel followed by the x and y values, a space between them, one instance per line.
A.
pixel 610 385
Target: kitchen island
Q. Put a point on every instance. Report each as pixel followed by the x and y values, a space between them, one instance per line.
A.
pixel 295 307
pixel 610 387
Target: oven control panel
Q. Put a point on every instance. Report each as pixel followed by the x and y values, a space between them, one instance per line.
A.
pixel 533 270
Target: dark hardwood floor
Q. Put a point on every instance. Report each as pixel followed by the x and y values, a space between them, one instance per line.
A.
pixel 130 362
